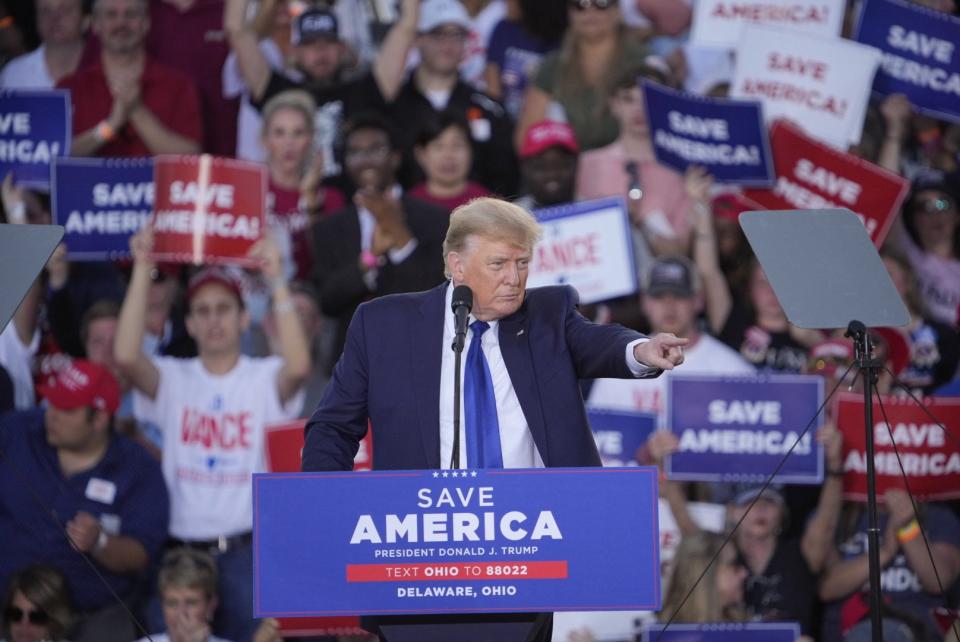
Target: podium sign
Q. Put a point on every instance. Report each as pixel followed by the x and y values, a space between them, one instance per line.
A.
pixel 477 541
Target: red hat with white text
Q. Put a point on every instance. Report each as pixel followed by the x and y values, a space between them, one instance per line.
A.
pixel 81 384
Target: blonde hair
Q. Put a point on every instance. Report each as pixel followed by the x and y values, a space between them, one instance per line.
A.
pixel 185 567
pixel 295 99
pixel 493 219
pixel 704 604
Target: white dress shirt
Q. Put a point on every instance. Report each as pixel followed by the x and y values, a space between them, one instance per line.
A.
pixel 516 441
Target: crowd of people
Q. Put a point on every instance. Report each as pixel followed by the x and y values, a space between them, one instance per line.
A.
pixel 134 395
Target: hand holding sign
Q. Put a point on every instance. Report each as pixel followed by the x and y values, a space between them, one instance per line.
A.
pixel 141 245
pixel 661 444
pixel 896 110
pixel 13 203
pixel 832 441
pixel 663 351
pixel 697 184
pixel 899 506
pixel 267 257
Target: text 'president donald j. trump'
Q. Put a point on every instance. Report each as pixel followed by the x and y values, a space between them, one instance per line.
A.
pixel 525 351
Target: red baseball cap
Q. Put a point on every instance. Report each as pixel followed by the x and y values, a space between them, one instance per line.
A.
pixel 893 345
pixel 217 275
pixel 830 355
pixel 546 134
pixel 81 384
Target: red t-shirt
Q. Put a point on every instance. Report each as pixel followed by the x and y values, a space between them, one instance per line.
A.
pixel 193 42
pixel 284 206
pixel 450 203
pixel 167 93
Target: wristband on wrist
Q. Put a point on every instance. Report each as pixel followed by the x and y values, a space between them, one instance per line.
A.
pixel 283 306
pixel 834 472
pixel 17 212
pixel 105 132
pixel 369 259
pixel 909 532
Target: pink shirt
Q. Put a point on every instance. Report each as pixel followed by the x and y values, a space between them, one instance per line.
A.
pixel 602 172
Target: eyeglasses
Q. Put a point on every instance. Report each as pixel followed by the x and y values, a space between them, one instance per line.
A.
pixel 936 206
pixel 374 154
pixel 448 35
pixel 15 614
pixel 583 5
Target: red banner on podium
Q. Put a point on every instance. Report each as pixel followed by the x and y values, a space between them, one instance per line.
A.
pixel 284 446
pixel 930 456
pixel 811 175
pixel 207 210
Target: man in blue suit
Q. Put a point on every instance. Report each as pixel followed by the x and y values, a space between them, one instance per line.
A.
pixel 521 402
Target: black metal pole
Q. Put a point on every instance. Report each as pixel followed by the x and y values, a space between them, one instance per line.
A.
pixel 455 455
pixel 869 370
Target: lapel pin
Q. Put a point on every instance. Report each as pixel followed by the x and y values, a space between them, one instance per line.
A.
pixel 519 332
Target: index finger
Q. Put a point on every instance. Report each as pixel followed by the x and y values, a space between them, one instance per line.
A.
pixel 671 340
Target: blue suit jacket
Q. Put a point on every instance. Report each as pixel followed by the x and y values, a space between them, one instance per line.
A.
pixel 390 372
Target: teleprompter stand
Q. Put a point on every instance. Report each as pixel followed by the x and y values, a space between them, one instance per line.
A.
pixel 827 274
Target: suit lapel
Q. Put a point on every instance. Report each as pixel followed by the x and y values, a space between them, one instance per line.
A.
pixel 515 347
pixel 426 356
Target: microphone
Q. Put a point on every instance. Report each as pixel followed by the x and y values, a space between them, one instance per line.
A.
pixel 461 304
pixel 634 190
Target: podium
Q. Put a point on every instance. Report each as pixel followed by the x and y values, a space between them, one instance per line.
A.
pixel 456 555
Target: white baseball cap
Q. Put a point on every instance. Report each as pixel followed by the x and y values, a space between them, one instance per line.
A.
pixel 435 13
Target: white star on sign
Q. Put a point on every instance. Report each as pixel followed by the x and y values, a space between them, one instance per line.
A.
pixel 436 474
pixel 473 473
pixel 445 473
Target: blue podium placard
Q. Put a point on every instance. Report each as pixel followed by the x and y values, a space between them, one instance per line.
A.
pixel 516 540
pixel 101 202
pixel 35 128
pixel 749 632
pixel 619 434
pixel 920 57
pixel 739 429
pixel 727 137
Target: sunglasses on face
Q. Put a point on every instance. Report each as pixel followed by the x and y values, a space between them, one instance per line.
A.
pixel 583 5
pixel 15 614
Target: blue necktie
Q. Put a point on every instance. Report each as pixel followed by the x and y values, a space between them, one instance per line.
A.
pixel 480 406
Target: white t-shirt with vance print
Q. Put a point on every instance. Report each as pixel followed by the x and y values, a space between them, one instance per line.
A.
pixel 213 439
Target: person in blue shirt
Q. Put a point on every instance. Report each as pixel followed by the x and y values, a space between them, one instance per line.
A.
pixel 71 488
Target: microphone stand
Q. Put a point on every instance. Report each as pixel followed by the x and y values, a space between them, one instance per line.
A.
pixel 457 347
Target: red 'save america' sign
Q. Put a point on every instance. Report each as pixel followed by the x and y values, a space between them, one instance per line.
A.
pixel 813 176
pixel 930 456
pixel 206 209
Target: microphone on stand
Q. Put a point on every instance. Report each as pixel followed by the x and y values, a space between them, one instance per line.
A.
pixel 461 304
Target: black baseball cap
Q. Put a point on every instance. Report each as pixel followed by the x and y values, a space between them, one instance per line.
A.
pixel 313 24
pixel 671 275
